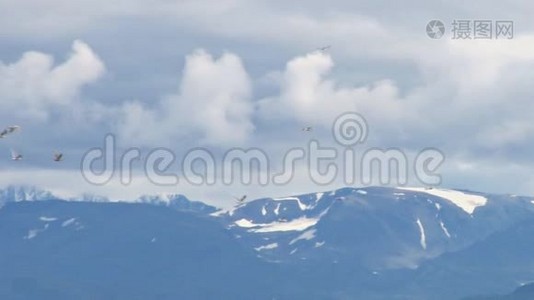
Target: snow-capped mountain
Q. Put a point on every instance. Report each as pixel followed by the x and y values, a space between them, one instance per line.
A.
pixel 379 228
pixel 178 202
pixel 175 201
pixel 20 193
pixel 366 243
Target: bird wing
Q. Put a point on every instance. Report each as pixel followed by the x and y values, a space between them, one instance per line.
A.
pixel 14 154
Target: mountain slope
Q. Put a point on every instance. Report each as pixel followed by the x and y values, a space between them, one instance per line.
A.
pixel 365 243
pixel 66 250
pixel 379 228
pixel 525 292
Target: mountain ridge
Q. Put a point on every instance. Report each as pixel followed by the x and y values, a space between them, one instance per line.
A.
pixel 341 244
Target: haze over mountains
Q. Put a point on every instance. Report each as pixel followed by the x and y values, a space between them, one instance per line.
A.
pixel 368 243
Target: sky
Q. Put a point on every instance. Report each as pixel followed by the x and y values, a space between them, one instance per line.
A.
pixel 235 74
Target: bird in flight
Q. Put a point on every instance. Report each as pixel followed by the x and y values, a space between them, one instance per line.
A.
pixel 8 130
pixel 15 155
pixel 12 128
pixel 240 200
pixel 58 156
pixel 307 128
pixel 324 48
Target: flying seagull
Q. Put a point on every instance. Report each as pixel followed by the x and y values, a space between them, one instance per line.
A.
pixel 12 128
pixel 324 48
pixel 58 156
pixel 307 128
pixel 240 200
pixel 15 155
pixel 8 130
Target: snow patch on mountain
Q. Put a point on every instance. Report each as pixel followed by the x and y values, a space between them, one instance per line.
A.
pixel 307 235
pixel 32 233
pixel 319 244
pixel 267 247
pixel 299 224
pixel 277 209
pixel 422 239
pixel 68 222
pixel 47 219
pixel 466 202
pixel 220 212
pixel 301 205
pixel 444 229
pixel 245 223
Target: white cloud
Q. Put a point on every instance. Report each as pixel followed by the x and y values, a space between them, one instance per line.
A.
pixel 32 86
pixel 308 95
pixel 508 132
pixel 213 103
pixel 415 92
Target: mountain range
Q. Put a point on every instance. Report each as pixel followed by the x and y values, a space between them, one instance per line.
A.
pixel 350 243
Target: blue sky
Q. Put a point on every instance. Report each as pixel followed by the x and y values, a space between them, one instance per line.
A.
pixel 223 74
